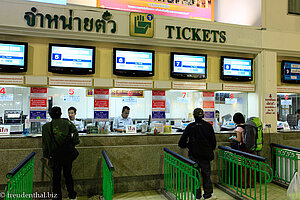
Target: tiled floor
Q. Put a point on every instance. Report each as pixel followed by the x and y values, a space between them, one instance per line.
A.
pixel 275 192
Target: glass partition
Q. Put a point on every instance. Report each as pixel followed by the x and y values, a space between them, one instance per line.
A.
pixel 288 105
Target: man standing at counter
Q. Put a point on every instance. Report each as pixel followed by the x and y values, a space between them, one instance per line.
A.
pixel 77 123
pixel 199 138
pixel 120 122
pixel 59 138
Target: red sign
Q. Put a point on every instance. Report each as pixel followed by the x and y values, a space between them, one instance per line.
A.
pixel 158 93
pixel 130 93
pixel 101 103
pixel 38 102
pixel 286 97
pixel 231 96
pixel 208 104
pixel 158 104
pixel 208 94
pixel 38 90
pixel 101 91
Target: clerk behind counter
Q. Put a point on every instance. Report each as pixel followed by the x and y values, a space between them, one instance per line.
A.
pixel 77 123
pixel 121 121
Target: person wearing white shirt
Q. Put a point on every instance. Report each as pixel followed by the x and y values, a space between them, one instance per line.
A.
pixel 217 123
pixel 77 123
pixel 120 122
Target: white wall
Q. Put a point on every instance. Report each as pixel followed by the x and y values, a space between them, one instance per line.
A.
pixel 242 12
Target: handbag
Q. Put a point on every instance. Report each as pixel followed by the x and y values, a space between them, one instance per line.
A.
pixel 66 151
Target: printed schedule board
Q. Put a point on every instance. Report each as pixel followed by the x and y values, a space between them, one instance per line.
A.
pixel 196 9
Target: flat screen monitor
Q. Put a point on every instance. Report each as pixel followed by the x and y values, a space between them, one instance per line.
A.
pixel 13 56
pixel 236 69
pixel 71 59
pixel 290 71
pixel 186 65
pixel 133 62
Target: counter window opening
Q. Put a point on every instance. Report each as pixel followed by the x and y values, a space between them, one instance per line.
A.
pixel 288 111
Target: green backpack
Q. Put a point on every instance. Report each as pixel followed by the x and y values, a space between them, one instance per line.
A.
pixel 253 135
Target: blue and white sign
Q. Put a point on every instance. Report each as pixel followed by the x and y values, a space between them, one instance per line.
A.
pixel 134 60
pixel 71 98
pixel 237 67
pixel 7 97
pixel 189 64
pixel 12 54
pixel 72 57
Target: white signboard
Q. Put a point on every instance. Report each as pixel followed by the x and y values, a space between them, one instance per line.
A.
pixel 230 101
pixel 286 102
pixel 129 100
pixel 7 97
pixel 130 128
pixel 71 98
pixel 133 84
pixel 17 80
pixel 238 87
pixel 4 129
pixel 70 81
pixel 188 85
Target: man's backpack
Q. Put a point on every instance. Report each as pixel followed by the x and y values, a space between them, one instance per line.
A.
pixel 253 135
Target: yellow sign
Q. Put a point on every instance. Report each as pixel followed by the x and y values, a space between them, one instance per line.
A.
pixel 141 25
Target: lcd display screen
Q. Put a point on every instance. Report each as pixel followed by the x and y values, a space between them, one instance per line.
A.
pixel 13 54
pixel 133 62
pixel 290 71
pixel 236 69
pixel 71 59
pixel 185 65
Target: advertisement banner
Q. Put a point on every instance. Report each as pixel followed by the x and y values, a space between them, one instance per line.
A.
pixel 158 105
pixel 101 115
pixel 36 115
pixel 192 9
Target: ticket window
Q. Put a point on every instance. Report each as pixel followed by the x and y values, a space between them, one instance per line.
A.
pixel 14 98
pixel 229 103
pixel 180 105
pixel 287 104
pixel 138 100
pixel 80 98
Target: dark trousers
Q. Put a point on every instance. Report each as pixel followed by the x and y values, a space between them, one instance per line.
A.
pixel 205 171
pixel 66 166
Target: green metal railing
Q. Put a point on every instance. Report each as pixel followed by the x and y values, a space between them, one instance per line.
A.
pixel 108 180
pixel 181 176
pixel 285 162
pixel 20 183
pixel 245 173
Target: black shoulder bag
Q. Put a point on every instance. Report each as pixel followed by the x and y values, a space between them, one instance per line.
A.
pixel 64 151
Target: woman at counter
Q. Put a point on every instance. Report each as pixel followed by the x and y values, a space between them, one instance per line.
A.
pixel 238 141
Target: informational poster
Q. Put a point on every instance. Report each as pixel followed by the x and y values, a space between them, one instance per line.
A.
pixel 158 105
pixel 38 104
pixel 270 104
pixel 209 106
pixel 195 9
pixel 101 104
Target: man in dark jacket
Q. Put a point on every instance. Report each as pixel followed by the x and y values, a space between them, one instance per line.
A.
pixel 199 138
pixel 59 136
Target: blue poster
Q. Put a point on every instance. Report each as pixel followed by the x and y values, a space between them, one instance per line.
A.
pixel 209 114
pixel 159 115
pixel 101 115
pixel 38 114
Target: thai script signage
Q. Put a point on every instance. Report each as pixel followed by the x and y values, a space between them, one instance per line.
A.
pixel 104 24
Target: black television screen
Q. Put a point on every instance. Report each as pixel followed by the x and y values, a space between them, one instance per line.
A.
pixel 236 69
pixel 13 56
pixel 186 65
pixel 71 59
pixel 290 71
pixel 133 62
